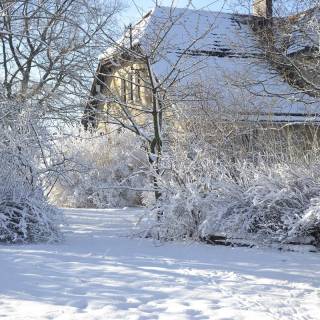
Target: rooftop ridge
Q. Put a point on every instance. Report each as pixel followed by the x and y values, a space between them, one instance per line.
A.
pixel 220 12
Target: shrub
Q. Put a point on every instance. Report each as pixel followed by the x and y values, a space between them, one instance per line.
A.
pixel 263 203
pixel 109 171
pixel 307 229
pixel 28 218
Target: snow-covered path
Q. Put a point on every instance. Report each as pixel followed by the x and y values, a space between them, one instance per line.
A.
pixel 98 273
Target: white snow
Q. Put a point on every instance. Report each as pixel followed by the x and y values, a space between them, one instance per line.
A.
pixel 100 273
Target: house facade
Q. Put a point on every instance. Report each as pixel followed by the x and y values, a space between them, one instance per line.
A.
pixel 215 60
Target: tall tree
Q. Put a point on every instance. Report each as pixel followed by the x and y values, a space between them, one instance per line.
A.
pixel 131 63
pixel 48 49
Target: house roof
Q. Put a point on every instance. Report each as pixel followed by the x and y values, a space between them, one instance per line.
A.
pixel 217 33
pixel 220 53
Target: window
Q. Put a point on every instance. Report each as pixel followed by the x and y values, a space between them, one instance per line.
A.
pixel 138 85
pixel 123 90
pixel 130 87
pixel 101 79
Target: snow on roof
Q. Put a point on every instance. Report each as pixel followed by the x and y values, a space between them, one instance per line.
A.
pixel 214 33
pixel 305 31
pixel 221 52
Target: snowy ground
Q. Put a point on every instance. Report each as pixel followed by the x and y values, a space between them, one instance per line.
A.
pixel 98 273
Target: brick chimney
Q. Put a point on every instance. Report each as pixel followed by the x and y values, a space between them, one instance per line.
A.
pixel 262 8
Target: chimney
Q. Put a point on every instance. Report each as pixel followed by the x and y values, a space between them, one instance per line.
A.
pixel 262 8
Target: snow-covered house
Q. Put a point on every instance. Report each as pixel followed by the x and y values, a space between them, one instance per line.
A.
pixel 201 57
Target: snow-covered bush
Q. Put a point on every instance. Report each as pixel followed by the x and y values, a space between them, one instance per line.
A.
pixel 263 203
pixel 181 216
pixel 185 199
pixel 307 229
pixel 25 169
pixel 214 188
pixel 28 218
pixel 110 171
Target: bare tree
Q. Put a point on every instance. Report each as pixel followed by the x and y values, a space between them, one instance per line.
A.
pixel 48 49
pixel 128 91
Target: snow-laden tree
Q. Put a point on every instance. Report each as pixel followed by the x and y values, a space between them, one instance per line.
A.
pixel 142 50
pixel 47 49
pixel 290 39
pixel 29 161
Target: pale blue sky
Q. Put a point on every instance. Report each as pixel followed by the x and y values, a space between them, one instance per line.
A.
pixel 138 7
